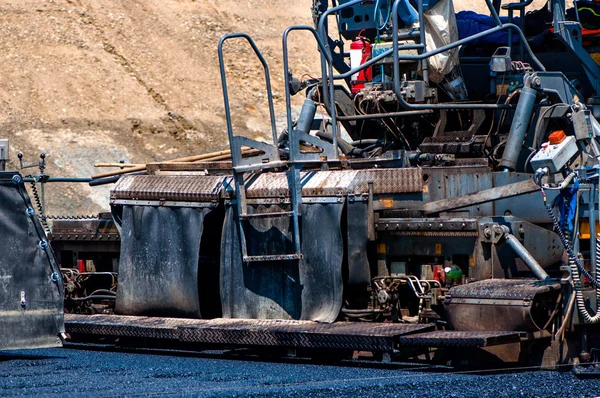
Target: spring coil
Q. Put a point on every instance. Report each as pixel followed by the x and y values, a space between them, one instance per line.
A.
pixel 71 217
pixel 569 248
pixel 44 218
pixel 579 293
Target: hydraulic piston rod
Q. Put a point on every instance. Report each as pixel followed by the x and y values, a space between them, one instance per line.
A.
pixel 519 127
pixel 524 255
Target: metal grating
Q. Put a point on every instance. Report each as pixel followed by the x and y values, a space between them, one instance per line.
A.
pixel 338 182
pixel 169 188
pixel 449 339
pixel 248 332
pixel 509 289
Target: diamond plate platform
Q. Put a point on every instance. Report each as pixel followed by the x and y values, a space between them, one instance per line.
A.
pixel 381 337
pixel 449 339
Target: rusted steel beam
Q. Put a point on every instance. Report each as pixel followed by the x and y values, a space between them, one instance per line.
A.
pixel 476 198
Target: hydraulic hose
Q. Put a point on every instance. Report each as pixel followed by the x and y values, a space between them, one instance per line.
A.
pixel 576 268
pixel 569 248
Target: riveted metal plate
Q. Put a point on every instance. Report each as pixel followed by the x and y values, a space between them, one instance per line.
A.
pixel 427 224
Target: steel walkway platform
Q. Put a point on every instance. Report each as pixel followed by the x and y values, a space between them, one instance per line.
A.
pixel 450 339
pixel 382 337
pixel 359 336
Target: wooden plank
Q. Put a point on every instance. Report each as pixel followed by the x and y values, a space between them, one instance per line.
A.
pixel 477 198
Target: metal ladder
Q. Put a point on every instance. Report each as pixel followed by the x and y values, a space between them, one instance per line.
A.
pixel 269 160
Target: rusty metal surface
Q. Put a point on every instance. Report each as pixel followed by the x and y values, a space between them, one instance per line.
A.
pixel 101 229
pixel 485 196
pixel 169 188
pixel 502 305
pixel 248 332
pixel 338 182
pixel 194 187
pixel 448 339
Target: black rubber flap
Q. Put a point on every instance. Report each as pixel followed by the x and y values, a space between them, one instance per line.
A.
pixel 158 271
pixel 31 304
pixel 358 236
pixel 307 289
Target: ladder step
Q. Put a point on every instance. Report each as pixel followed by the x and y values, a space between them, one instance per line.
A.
pixel 267 215
pixel 274 257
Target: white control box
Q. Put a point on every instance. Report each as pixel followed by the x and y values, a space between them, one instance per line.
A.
pixel 555 156
pixel 3 149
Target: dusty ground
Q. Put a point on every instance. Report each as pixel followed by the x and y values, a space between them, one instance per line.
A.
pixel 136 80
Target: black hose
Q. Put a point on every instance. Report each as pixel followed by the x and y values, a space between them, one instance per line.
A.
pixel 103 291
pixel 104 181
pixel 344 146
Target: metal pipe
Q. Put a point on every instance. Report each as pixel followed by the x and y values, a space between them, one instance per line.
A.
pixel 524 255
pixel 385 115
pixel 374 60
pixel 519 127
pixel 307 115
pixel 423 42
pixel 68 179
pixel 326 71
pixel 493 12
pixel 104 181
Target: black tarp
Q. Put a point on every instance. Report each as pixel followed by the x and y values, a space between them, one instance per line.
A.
pixel 27 270
pixel 309 289
pixel 158 269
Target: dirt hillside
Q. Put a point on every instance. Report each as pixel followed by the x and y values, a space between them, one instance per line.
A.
pixel 90 81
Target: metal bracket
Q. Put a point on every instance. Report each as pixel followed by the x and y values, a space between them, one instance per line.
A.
pixel 270 152
pixel 327 149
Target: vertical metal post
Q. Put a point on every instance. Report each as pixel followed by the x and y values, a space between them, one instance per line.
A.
pixel 592 221
pixel 423 41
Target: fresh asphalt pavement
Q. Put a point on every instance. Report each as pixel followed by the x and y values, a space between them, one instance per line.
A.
pixel 68 372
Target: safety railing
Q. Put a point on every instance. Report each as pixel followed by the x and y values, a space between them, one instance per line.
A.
pixel 236 142
pixel 326 87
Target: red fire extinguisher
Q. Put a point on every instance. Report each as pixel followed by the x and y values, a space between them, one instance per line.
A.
pixel 360 52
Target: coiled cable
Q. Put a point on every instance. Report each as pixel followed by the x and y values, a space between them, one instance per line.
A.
pixel 567 244
pixel 576 268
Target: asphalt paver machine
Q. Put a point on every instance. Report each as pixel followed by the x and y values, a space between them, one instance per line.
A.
pixel 445 205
